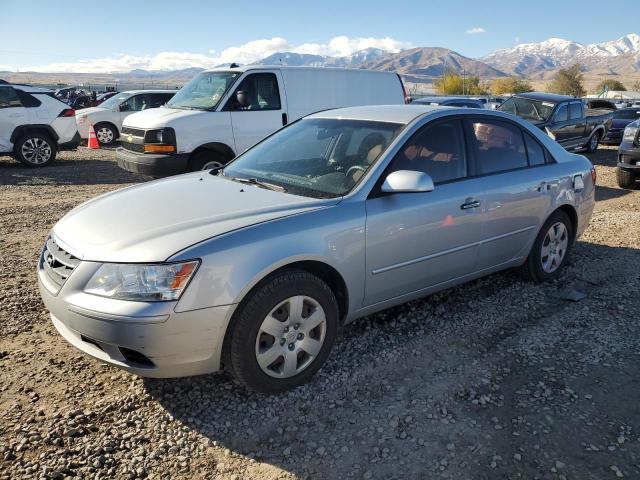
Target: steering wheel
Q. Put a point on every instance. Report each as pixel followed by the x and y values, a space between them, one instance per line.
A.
pixel 355 168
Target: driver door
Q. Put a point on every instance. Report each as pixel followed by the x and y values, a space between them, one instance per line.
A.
pixel 419 240
pixel 262 110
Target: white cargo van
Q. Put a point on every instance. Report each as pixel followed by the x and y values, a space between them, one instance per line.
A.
pixel 221 113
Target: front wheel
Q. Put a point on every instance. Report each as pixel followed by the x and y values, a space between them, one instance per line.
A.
pixel 550 250
pixel 282 333
pixel 626 179
pixel 106 134
pixel 35 150
pixel 206 160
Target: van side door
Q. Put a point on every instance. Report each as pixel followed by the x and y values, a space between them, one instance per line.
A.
pixel 258 108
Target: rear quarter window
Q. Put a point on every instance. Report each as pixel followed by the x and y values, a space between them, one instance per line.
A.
pixel 27 99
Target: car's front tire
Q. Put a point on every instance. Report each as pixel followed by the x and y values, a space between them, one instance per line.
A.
pixel 282 333
pixel 550 250
pixel 106 134
pixel 35 149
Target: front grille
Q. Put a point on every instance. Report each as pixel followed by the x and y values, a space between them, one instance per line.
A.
pixel 136 132
pixel 133 147
pixel 57 263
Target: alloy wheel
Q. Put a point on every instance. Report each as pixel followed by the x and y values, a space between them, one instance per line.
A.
pixel 554 247
pixel 104 135
pixel 36 151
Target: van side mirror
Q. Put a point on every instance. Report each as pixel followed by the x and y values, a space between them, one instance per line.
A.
pixel 407 181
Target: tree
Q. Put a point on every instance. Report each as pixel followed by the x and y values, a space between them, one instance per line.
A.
pixel 610 84
pixel 501 86
pixel 568 81
pixel 452 83
pixel 636 86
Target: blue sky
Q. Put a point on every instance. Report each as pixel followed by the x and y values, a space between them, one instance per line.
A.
pixel 170 34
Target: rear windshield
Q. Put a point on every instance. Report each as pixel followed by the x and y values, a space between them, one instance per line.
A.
pixel 529 109
pixel 204 91
pixel 627 114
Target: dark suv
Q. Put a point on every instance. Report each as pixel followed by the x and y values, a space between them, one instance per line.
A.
pixel 628 171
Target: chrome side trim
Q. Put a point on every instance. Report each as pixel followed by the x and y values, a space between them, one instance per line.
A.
pixel 447 252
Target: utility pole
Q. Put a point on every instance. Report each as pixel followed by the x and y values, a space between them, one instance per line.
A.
pixel 464 80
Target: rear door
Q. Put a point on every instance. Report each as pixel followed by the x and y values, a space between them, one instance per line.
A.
pixel 257 107
pixel 518 184
pixel 12 115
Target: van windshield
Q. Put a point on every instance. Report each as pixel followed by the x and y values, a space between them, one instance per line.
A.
pixel 316 157
pixel 204 91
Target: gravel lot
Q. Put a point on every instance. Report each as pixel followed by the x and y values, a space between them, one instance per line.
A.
pixel 495 379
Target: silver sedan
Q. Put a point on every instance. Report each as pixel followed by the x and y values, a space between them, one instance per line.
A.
pixel 255 266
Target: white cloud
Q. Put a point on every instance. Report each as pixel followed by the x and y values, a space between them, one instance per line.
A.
pixel 247 53
pixel 475 31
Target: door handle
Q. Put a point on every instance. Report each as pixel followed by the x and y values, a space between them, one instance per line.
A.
pixel 542 186
pixel 284 119
pixel 470 204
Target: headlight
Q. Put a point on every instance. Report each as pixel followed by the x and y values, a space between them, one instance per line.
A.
pixel 630 133
pixel 162 140
pixel 149 282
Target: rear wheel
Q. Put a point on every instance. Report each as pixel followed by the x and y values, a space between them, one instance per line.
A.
pixel 283 332
pixel 626 179
pixel 550 250
pixel 106 134
pixel 35 149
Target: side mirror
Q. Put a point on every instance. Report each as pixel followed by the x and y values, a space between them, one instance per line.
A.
pixel 407 181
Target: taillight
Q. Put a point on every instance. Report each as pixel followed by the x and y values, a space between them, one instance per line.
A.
pixel 593 175
pixel 67 112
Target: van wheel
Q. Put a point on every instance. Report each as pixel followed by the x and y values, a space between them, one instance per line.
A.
pixel 550 249
pixel 626 179
pixel 206 160
pixel 35 149
pixel 592 146
pixel 282 333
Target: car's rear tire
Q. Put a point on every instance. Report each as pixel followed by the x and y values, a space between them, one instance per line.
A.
pixel 282 333
pixel 594 141
pixel 626 179
pixel 206 160
pixel 106 134
pixel 550 250
pixel 35 149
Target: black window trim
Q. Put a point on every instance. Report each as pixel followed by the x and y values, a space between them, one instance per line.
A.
pixel 233 88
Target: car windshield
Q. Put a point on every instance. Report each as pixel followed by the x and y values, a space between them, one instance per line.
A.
pixel 527 108
pixel 204 91
pixel 316 157
pixel 114 101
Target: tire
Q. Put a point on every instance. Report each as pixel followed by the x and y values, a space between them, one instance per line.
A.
pixel 592 145
pixel 206 160
pixel 626 179
pixel 295 352
pixel 35 149
pixel 106 134
pixel 536 268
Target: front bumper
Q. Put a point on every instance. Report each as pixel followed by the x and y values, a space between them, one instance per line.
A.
pixel 629 157
pixel 72 144
pixel 155 165
pixel 149 339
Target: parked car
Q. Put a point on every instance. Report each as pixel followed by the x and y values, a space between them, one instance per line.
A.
pixel 628 170
pixel 256 266
pixel 107 117
pixel 221 113
pixel 621 118
pixel 34 125
pixel 564 118
pixel 102 97
pixel 450 102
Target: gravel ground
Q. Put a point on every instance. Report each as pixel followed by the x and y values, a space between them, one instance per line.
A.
pixel 495 379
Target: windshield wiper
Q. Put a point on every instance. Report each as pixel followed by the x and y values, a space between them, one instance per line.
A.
pixel 260 183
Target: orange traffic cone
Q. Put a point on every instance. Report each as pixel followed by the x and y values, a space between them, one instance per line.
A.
pixel 93 141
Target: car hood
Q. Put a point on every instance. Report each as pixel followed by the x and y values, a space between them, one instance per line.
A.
pixel 159 117
pixel 153 221
pixel 90 110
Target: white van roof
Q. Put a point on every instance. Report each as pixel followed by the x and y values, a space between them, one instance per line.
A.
pixel 246 68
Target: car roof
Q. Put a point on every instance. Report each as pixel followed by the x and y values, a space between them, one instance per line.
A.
pixel 546 97
pixel 27 88
pixel 402 114
pixel 436 99
pixel 135 92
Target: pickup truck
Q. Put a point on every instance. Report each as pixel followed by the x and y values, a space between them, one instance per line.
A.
pixel 565 119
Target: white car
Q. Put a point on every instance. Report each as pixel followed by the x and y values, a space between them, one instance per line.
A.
pixel 221 113
pixel 34 125
pixel 107 117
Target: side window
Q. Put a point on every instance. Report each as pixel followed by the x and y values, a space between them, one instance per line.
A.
pixel 155 100
pixel 534 150
pixel 437 149
pixel 499 146
pixel 9 98
pixel 575 110
pixel 258 91
pixel 562 114
pixel 28 100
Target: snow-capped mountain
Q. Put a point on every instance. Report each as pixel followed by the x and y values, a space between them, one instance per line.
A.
pixel 531 59
pixel 294 59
